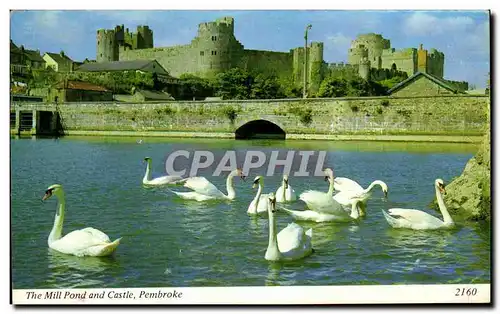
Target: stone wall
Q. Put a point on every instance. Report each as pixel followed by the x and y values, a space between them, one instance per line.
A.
pixel 459 115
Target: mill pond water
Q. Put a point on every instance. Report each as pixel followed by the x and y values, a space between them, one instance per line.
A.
pixel 169 242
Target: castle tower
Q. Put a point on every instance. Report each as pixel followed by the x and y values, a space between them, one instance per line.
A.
pixel 107 47
pixel 144 37
pixel 364 68
pixel 315 66
pixel 357 54
pixel 422 59
pixel 374 43
pixel 215 46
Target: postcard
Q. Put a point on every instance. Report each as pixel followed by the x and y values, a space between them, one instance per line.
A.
pixel 317 157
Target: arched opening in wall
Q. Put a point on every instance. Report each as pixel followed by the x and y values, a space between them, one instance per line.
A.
pixel 394 67
pixel 259 129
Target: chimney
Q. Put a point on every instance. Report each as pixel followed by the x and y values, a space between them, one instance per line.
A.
pixel 421 46
pixel 62 53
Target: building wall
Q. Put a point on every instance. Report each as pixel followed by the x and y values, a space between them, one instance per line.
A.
pixel 50 63
pixel 422 86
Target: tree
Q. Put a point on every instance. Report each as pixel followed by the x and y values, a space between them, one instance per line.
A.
pixel 193 86
pixel 355 87
pixel 266 87
pixel 234 84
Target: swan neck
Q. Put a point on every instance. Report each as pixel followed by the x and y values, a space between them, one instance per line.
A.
pixel 330 189
pixel 147 175
pixel 56 232
pixel 442 207
pixel 272 247
pixel 257 197
pixel 284 190
pixel 231 193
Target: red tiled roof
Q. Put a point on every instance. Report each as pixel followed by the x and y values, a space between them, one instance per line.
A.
pixel 82 86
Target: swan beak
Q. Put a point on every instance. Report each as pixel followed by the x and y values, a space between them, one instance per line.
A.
pixel 326 178
pixel 273 205
pixel 243 178
pixel 442 190
pixel 254 185
pixel 286 184
pixel 47 195
pixel 385 194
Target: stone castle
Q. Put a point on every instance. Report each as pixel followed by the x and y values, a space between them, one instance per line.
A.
pixel 373 51
pixel 215 49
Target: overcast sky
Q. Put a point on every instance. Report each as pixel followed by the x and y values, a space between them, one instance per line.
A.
pixel 463 36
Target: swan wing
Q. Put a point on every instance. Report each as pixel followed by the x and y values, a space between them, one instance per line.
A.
pixel 321 202
pixel 290 238
pixel 79 242
pixel 346 184
pixel 164 180
pixel 202 186
pixel 414 217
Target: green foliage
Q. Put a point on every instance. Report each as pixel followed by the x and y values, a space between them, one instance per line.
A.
pixel 354 108
pixel 303 113
pixel 240 84
pixel 385 103
pixel 266 87
pixel 390 83
pixel 43 77
pixel 355 87
pixel 230 113
pixel 192 87
pixel 165 111
pixel 380 110
pixel 118 82
pixel 234 84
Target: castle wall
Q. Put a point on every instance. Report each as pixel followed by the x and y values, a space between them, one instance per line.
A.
pixel 176 60
pixel 107 48
pixel 279 64
pixel 405 60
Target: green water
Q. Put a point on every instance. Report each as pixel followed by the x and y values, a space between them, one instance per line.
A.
pixel 170 242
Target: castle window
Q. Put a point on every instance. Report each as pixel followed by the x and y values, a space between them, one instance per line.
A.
pixel 214 38
pixel 202 53
pixel 214 53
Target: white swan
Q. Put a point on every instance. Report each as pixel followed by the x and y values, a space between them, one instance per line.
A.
pixel 147 180
pixel 324 203
pixel 285 192
pixel 419 220
pixel 291 243
pixel 204 190
pixel 84 242
pixel 259 204
pixel 314 216
pixel 350 189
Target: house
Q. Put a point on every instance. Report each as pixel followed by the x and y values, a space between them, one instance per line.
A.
pixel 33 59
pixel 73 91
pixel 23 60
pixel 422 84
pixel 59 62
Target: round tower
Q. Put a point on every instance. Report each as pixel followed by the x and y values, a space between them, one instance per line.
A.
pixel 107 47
pixel 215 45
pixel 374 43
pixel 315 60
pixel 357 54
pixel 364 68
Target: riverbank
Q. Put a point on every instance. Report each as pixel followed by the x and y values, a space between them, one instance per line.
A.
pixel 472 139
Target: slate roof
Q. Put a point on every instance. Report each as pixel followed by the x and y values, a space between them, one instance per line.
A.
pixel 154 95
pixel 122 66
pixel 418 74
pixel 33 55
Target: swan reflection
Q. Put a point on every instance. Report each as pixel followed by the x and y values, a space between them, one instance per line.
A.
pixel 68 271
